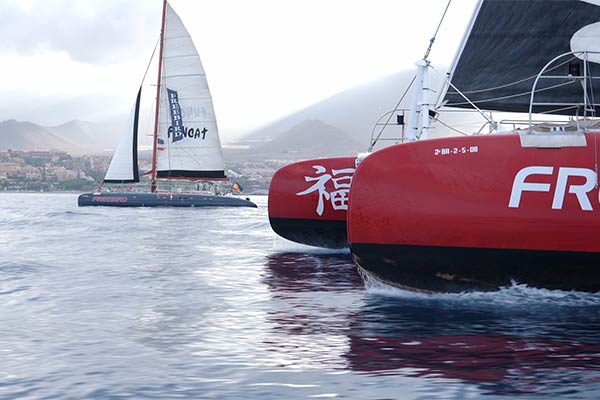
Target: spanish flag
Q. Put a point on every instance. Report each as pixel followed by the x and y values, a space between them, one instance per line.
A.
pixel 237 188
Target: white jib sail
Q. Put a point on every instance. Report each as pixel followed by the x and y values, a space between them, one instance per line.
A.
pixel 123 167
pixel 188 140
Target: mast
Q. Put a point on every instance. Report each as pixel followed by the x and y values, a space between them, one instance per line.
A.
pixel 160 60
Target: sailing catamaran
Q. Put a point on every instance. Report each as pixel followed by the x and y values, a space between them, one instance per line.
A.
pixel 480 212
pixel 186 143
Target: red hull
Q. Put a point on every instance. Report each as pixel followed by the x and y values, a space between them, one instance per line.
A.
pixel 476 213
pixel 308 201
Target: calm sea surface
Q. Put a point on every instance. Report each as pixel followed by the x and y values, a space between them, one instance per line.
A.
pixel 211 304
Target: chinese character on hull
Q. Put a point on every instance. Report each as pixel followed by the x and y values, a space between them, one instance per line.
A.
pixel 340 183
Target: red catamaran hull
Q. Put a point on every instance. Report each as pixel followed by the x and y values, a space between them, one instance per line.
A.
pixel 308 201
pixel 477 213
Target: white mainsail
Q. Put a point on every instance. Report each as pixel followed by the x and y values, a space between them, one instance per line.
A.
pixel 123 167
pixel 188 140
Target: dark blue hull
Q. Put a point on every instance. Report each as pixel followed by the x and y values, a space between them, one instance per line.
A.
pixel 134 199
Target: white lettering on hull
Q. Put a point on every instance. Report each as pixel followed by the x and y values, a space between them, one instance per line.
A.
pixel 562 183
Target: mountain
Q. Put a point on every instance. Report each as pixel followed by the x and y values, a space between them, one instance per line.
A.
pixel 307 139
pixel 345 123
pixel 75 132
pixel 75 137
pixel 29 136
pixel 90 135
pixel 354 111
pixel 340 125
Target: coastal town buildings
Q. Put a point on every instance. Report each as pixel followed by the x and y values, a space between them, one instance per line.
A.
pixel 60 171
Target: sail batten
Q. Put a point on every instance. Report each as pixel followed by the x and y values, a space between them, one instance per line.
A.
pixel 508 44
pixel 187 76
pixel 180 56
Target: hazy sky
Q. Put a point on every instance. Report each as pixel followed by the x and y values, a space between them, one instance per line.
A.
pixel 67 59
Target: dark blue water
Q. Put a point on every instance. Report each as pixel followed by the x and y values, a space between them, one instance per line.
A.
pixel 210 304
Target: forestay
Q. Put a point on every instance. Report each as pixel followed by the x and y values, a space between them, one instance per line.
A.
pixel 188 141
pixel 509 42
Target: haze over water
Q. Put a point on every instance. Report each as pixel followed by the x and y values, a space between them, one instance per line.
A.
pixel 210 304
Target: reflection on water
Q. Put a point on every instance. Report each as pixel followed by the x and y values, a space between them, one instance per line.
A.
pixel 288 273
pixel 312 298
pixel 140 303
pixel 506 350
pixel 513 342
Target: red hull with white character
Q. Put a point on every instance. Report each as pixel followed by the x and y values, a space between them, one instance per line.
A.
pixel 308 201
pixel 476 213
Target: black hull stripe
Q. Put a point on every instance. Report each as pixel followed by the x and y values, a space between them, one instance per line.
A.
pixel 117 181
pixel 135 199
pixel 458 269
pixel 174 174
pixel 320 233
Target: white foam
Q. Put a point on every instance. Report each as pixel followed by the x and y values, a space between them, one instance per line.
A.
pixel 514 295
pixel 282 245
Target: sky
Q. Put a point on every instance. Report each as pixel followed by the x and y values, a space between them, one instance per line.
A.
pixel 264 59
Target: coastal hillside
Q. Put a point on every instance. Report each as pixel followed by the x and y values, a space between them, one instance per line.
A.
pixel 339 125
pixel 307 139
pixel 354 111
pixel 76 137
pixel 343 124
pixel 17 135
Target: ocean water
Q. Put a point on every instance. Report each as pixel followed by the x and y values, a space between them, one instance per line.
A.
pixel 109 303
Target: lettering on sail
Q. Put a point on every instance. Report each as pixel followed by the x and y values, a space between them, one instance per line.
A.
pixel 194 112
pixel 332 186
pixel 177 131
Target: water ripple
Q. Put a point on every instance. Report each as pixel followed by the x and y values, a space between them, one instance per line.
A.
pixel 157 303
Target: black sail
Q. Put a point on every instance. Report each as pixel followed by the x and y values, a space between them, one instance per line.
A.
pixel 508 44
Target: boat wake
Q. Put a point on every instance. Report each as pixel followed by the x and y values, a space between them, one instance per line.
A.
pixel 518 295
pixel 282 245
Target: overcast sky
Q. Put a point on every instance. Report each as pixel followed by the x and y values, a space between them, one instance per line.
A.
pixel 68 59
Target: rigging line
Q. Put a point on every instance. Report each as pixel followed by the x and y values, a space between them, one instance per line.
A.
pixel 192 154
pixel 432 40
pixel 596 156
pixel 515 82
pixel 446 78
pixel 374 142
pixel 427 52
pixel 190 151
pixel 555 110
pixel 591 86
pixel 453 129
pixel 509 96
pixel 150 61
